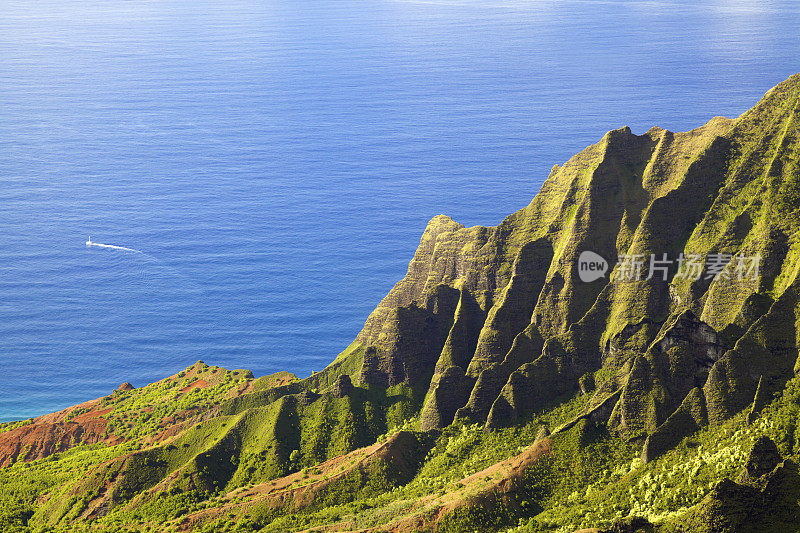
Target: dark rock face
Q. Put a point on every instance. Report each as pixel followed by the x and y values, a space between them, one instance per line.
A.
pixel 446 395
pixel 727 508
pixel 342 386
pixel 586 384
pixel 512 314
pixel 125 386
pixel 409 344
pixel 698 338
pixel 763 459
pixel 764 498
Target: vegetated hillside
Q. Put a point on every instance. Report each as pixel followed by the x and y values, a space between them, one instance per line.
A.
pixel 493 389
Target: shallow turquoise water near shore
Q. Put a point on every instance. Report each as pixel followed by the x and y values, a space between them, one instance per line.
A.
pixel 276 162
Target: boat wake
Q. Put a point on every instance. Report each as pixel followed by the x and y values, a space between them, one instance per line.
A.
pixel 154 263
pixel 89 244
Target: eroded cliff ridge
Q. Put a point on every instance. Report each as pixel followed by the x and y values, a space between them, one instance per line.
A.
pixel 495 322
pixel 496 384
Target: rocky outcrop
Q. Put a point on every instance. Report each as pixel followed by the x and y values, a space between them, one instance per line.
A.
pixel 342 386
pixel 528 388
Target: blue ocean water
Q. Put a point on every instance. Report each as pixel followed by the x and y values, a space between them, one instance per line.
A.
pixel 276 162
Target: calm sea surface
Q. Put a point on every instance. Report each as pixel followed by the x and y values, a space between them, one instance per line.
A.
pixel 276 162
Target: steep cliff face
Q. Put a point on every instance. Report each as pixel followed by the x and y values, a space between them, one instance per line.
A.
pixel 496 321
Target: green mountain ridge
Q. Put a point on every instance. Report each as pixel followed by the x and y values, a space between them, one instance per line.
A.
pixel 493 389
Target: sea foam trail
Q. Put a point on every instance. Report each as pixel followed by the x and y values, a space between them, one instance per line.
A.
pixel 112 247
pixel 192 284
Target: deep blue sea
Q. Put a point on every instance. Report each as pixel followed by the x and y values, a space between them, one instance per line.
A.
pixel 275 162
